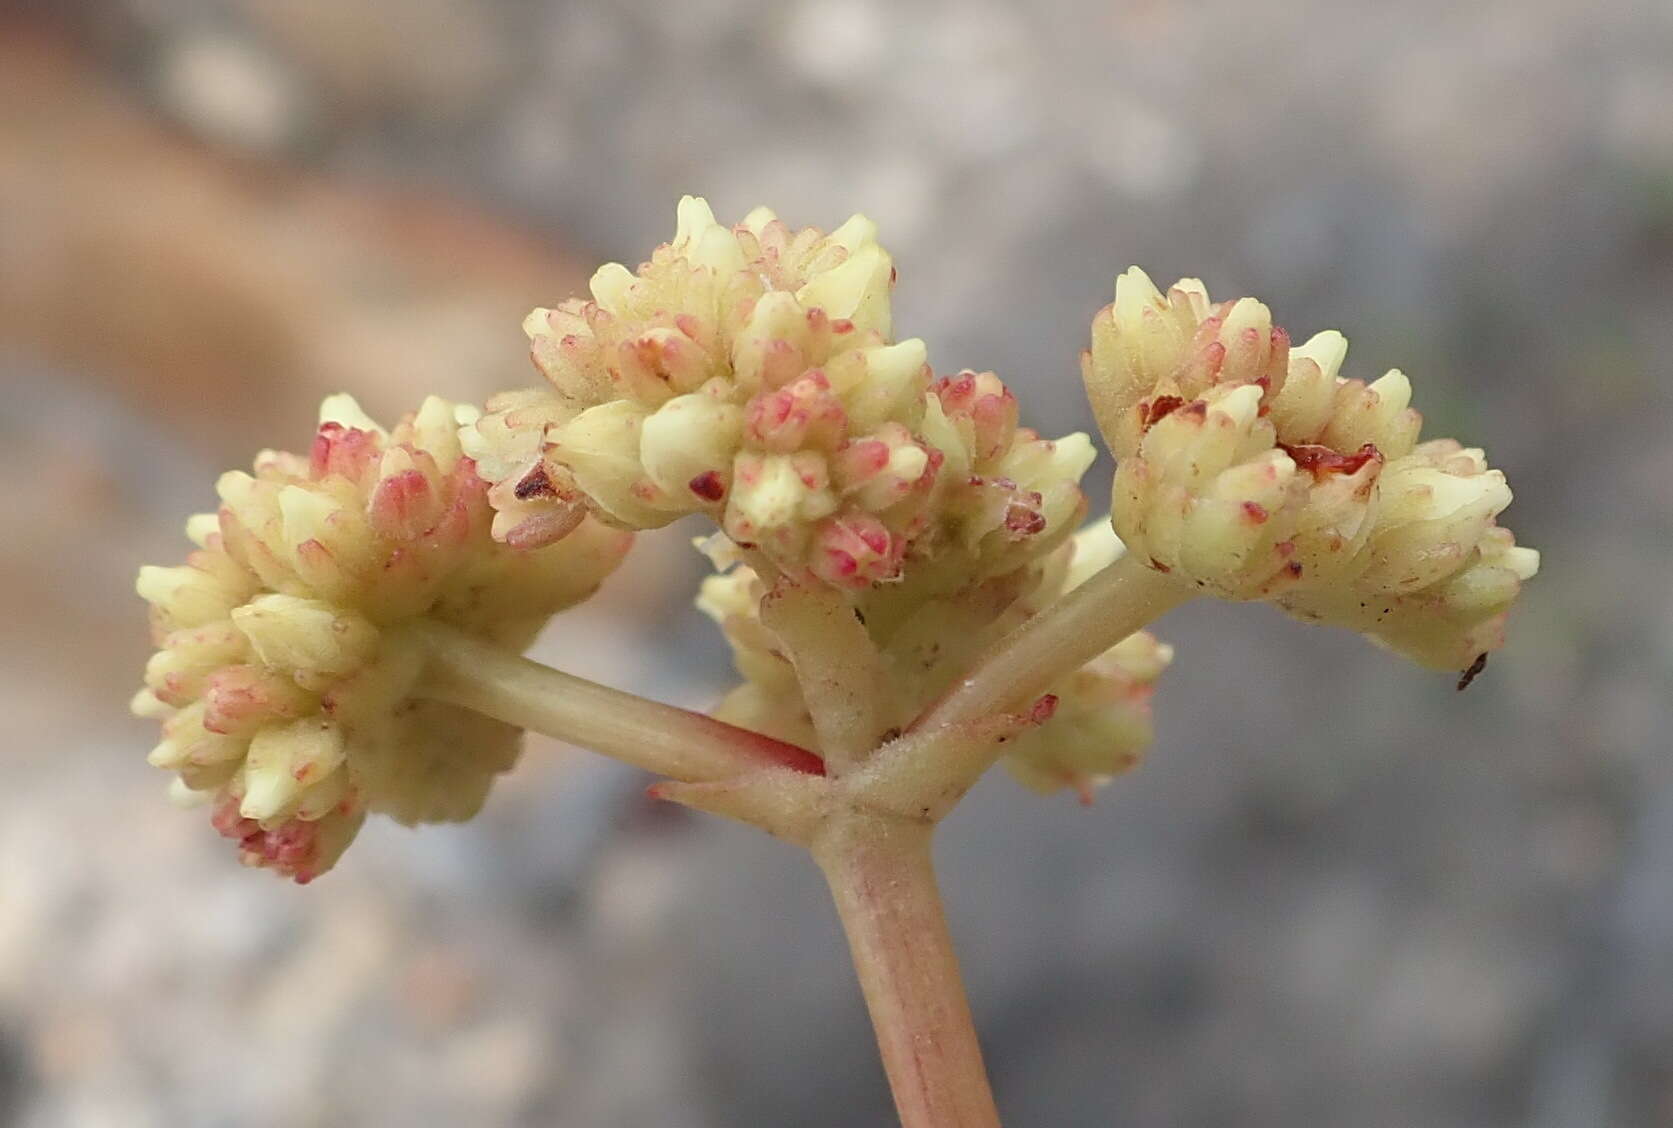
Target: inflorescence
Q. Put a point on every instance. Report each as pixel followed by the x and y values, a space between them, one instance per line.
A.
pixel 750 374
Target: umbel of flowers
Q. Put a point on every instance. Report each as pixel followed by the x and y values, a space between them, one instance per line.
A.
pixel 898 574
pixel 1252 470
pixel 284 676
pixel 749 373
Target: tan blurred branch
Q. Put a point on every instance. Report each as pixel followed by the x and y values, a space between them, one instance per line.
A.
pixel 203 287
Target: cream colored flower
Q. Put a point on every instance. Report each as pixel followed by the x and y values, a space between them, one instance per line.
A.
pixel 535 501
pixel 1005 493
pixel 1435 577
pixel 1316 407
pixel 1095 726
pixel 747 373
pixel 1151 352
pixel 283 677
pixel 1301 486
pixel 1208 497
pixel 1100 724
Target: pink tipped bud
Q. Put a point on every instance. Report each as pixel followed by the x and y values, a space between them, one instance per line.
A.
pixel 801 414
pixel 403 505
pixel 988 405
pixel 239 699
pixel 347 451
pixel 855 550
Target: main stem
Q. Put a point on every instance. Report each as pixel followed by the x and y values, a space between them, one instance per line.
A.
pixel 660 738
pixel 878 865
pixel 1068 634
pixel 883 881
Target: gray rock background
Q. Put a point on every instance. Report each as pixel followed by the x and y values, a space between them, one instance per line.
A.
pixel 1338 892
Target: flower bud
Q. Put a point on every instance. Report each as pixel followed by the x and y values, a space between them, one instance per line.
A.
pixel 187 742
pixel 1004 495
pixel 801 414
pixel 883 469
pixel 855 549
pixel 1449 625
pixel 1139 344
pixel 238 700
pixel 179 672
pixel 284 760
pixel 881 384
pixel 294 634
pixel 1431 518
pixel 780 340
pixel 856 290
pixel 702 241
pixel 1302 408
pixel 535 500
pixel 189 595
pixel 773 492
pixel 1333 525
pixel 686 446
pixel 846 273
pixel 983 409
pixel 600 448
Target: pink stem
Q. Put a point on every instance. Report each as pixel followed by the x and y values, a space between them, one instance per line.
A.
pixel 660 738
pixel 883 881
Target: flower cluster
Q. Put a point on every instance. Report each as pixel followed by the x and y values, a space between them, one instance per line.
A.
pixel 1100 724
pixel 743 372
pixel 284 680
pixel 1006 495
pixel 1439 576
pixel 748 373
pixel 1252 470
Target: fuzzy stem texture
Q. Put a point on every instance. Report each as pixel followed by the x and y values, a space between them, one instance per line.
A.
pixel 1123 598
pixel 659 738
pixel 883 881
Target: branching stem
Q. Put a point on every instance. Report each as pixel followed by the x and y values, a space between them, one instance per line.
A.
pixel 660 738
pixel 875 854
pixel 1124 597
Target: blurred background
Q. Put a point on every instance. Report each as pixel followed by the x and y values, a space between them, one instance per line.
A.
pixel 1338 893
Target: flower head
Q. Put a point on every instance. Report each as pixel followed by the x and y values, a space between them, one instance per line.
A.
pixel 1252 470
pixel 747 372
pixel 283 678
